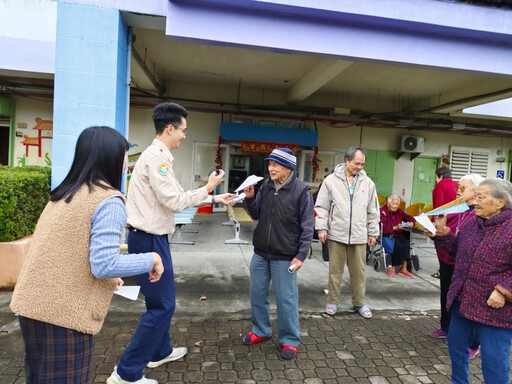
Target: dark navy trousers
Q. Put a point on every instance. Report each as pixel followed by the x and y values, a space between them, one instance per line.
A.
pixel 151 340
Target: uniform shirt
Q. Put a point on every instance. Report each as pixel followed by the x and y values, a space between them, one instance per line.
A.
pixel 155 194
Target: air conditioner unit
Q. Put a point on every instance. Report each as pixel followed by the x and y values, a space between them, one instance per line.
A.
pixel 413 144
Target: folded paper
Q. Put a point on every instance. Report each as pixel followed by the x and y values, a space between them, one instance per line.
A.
pixel 424 220
pixel 129 291
pixel 251 180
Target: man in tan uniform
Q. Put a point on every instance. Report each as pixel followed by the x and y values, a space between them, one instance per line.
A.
pixel 153 197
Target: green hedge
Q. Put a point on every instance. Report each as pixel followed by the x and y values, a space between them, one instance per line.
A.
pixel 24 192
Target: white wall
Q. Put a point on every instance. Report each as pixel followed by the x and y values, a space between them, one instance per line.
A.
pixel 40 23
pixel 436 145
pixel 27 110
pixel 202 127
pixel 28 26
pixel 205 127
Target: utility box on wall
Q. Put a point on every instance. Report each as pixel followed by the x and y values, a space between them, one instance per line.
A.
pixel 412 144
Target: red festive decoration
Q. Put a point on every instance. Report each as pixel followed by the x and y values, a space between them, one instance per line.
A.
pixel 266 147
pixel 218 153
pixel 314 164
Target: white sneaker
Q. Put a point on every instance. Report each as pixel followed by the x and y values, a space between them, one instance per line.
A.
pixel 116 379
pixel 177 353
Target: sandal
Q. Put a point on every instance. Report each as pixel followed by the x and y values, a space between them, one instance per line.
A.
pixel 364 311
pixel 331 309
pixel 436 275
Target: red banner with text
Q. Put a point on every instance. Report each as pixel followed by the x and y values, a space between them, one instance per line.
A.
pixel 266 147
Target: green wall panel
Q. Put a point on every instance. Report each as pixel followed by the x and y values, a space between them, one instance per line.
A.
pixel 424 179
pixel 6 107
pixel 380 166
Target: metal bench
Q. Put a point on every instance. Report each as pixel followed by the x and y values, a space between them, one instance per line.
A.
pixel 181 219
pixel 237 215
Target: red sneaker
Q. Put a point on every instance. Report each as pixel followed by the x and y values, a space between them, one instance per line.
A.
pixel 406 273
pixel 251 338
pixel 390 272
pixel 438 334
pixel 289 352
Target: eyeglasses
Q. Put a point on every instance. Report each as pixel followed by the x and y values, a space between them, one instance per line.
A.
pixel 480 197
pixel 461 188
pixel 184 130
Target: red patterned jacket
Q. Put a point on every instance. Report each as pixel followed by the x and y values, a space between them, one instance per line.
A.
pixel 390 219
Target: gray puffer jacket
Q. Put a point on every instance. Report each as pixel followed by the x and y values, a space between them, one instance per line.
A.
pixel 347 220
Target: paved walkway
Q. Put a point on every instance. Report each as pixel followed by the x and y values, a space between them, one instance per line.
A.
pixel 393 347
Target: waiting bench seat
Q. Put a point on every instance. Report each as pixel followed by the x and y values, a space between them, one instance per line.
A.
pixel 181 219
pixel 237 215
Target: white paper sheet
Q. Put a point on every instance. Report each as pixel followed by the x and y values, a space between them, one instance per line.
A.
pixel 129 291
pixel 251 180
pixel 426 223
pixel 240 198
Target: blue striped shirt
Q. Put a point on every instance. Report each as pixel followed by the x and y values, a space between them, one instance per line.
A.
pixel 108 222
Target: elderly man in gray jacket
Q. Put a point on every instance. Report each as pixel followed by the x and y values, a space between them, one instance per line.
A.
pixel 347 211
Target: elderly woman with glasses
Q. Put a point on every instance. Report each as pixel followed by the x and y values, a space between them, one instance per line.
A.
pixel 466 189
pixel 480 294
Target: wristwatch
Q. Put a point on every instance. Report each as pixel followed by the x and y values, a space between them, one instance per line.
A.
pixel 213 199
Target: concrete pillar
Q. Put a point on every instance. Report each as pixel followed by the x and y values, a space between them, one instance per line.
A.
pixel 91 87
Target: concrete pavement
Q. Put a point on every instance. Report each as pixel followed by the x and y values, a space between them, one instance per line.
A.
pixel 393 347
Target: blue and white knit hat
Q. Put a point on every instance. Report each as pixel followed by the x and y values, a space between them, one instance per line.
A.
pixel 283 156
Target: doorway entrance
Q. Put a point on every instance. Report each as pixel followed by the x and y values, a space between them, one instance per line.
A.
pixel 204 163
pixel 244 165
pixel 4 144
pixel 424 179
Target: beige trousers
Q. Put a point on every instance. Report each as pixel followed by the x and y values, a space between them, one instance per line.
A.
pixel 355 257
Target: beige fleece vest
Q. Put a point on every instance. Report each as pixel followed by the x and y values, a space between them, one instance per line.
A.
pixel 55 284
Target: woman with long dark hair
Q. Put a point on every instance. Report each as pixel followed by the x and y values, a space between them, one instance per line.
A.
pixel 73 265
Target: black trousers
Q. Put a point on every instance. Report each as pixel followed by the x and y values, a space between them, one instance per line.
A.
pixel 446 273
pixel 401 252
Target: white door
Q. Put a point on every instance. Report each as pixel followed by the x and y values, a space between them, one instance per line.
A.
pixel 203 160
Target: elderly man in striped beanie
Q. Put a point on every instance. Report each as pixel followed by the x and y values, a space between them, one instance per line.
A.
pixel 282 239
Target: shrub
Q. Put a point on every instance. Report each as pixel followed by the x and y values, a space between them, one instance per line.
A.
pixel 24 192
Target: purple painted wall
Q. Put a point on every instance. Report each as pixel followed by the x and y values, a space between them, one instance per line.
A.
pixel 473 43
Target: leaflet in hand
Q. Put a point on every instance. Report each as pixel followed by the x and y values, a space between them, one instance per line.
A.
pixel 251 180
pixel 239 198
pixel 129 291
pixel 424 220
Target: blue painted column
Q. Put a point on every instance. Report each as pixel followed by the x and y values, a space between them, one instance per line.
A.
pixel 91 67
